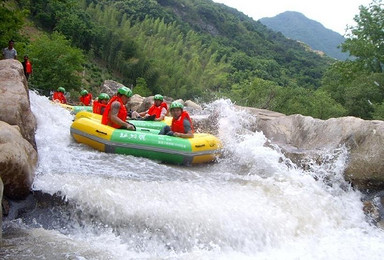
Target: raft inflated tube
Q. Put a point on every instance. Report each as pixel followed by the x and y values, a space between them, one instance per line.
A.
pixel 146 143
pixel 138 123
pixel 76 109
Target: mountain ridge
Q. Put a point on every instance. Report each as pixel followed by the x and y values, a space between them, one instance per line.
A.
pixel 297 26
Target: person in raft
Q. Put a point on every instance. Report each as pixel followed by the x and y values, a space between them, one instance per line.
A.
pixel 181 122
pixel 86 98
pixel 100 104
pixel 58 96
pixel 157 111
pixel 116 112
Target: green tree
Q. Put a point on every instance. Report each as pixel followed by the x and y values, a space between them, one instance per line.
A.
pixel 141 88
pixel 366 39
pixel 11 21
pixel 55 63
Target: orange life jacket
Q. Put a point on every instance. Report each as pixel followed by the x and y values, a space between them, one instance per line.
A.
pixel 106 120
pixel 59 96
pixel 154 110
pixel 28 67
pixel 98 108
pixel 178 124
pixel 86 100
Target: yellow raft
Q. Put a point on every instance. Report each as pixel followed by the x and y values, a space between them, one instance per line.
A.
pixel 145 141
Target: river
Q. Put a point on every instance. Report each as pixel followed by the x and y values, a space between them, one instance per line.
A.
pixel 252 203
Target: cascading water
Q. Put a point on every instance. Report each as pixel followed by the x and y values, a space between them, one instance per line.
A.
pixel 252 204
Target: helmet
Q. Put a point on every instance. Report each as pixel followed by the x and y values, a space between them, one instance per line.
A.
pixel 125 91
pixel 103 96
pixel 61 89
pixel 83 92
pixel 158 97
pixel 176 104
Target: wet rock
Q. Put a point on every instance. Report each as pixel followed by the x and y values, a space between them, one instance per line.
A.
pixel 14 99
pixel 18 161
pixel 371 210
pixel 297 134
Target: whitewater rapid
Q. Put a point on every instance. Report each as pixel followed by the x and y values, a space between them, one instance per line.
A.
pixel 251 204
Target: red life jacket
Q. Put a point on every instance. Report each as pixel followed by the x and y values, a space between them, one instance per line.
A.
pixel 98 107
pixel 105 120
pixel 86 100
pixel 59 96
pixel 154 110
pixel 178 124
pixel 28 67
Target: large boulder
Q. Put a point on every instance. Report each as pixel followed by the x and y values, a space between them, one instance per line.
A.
pixel 1 207
pixel 110 87
pixel 135 102
pixel 145 104
pixel 14 99
pixel 18 161
pixel 302 137
pixel 192 106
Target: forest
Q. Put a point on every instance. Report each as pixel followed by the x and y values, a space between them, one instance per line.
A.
pixel 196 49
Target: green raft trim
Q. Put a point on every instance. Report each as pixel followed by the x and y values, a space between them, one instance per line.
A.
pixel 77 109
pixel 148 124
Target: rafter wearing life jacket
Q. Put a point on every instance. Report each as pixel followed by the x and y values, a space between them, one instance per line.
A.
pixel 86 99
pixel 178 124
pixel 98 108
pixel 156 110
pixel 122 112
pixel 59 96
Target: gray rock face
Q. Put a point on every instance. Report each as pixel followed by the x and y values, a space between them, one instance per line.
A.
pixel 110 87
pixel 18 161
pixel 302 137
pixel 14 99
pixel 135 102
pixel 1 208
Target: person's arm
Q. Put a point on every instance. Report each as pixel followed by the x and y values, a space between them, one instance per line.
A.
pixel 162 114
pixel 188 130
pixel 15 55
pixel 189 134
pixel 143 114
pixel 115 108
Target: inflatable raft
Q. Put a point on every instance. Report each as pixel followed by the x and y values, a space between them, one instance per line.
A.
pixel 145 142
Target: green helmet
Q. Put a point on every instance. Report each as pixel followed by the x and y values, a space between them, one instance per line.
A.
pixel 103 96
pixel 158 97
pixel 83 92
pixel 61 89
pixel 125 91
pixel 176 104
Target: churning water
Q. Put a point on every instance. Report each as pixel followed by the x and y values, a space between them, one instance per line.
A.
pixel 251 204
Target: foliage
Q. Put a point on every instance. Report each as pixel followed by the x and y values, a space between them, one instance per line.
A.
pixel 55 63
pixel 358 85
pixel 141 88
pixel 366 39
pixel 11 21
pixel 186 49
pixel 268 95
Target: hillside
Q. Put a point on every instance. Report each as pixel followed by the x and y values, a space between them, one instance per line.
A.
pixel 296 26
pixel 190 49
